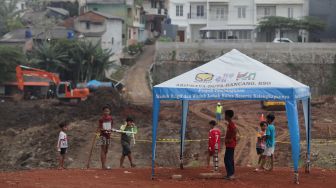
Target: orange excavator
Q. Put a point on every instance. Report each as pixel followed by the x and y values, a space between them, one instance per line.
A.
pixel 64 90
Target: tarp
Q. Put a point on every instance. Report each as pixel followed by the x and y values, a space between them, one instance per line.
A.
pixel 94 84
pixel 235 76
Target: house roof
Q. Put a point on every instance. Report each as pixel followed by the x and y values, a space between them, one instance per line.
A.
pixel 59 11
pixel 92 17
pixel 105 1
pixel 98 17
pixel 37 33
pixel 68 23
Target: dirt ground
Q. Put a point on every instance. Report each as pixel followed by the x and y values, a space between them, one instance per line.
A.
pixel 246 178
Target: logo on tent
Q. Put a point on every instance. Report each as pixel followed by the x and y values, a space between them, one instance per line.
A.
pixel 204 77
pixel 246 76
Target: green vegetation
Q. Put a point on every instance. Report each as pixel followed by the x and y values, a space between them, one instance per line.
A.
pixel 311 24
pixel 165 39
pixel 9 58
pixel 9 19
pixel 79 61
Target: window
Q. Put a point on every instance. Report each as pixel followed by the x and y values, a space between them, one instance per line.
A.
pixel 112 41
pixel 267 11
pixel 222 35
pixel 88 25
pixel 290 12
pixel 153 3
pixel 220 13
pixel 200 10
pixel 179 10
pixel 95 8
pixel 241 12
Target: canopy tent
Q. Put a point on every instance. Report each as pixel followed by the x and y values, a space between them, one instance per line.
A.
pixel 235 76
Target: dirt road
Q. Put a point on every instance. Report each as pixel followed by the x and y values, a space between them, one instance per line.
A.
pixel 137 88
pixel 246 178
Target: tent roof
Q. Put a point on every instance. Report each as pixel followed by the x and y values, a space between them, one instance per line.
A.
pixel 234 72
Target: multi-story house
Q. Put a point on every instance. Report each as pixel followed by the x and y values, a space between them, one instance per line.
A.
pixel 129 10
pixel 231 19
pixel 155 12
pixel 100 27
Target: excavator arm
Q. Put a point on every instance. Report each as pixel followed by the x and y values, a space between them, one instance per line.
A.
pixel 28 71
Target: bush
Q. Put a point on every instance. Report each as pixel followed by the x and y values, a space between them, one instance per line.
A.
pixel 135 48
pixel 165 39
pixel 149 41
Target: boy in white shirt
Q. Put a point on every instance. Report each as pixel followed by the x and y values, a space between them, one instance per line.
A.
pixel 62 144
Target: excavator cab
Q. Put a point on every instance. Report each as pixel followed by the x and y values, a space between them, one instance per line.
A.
pixel 66 92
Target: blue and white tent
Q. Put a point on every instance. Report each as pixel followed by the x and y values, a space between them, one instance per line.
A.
pixel 235 76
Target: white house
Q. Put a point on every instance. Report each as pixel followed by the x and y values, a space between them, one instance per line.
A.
pixel 97 26
pixel 230 19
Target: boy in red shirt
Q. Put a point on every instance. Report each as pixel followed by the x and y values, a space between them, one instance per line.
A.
pixel 214 138
pixel 230 144
pixel 104 130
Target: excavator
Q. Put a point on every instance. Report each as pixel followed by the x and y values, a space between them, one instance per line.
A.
pixel 64 90
pixel 273 105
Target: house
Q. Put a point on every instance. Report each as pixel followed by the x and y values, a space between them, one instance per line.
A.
pixel 101 27
pixel 130 11
pixel 57 13
pixel 231 19
pixel 27 37
pixel 155 13
pixel 324 10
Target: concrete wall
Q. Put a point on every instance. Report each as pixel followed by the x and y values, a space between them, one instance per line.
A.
pixel 112 38
pixel 309 63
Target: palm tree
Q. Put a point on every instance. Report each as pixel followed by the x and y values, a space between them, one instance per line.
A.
pixel 9 18
pixel 49 57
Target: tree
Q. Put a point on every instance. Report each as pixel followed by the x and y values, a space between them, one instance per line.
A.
pixel 85 60
pixel 308 23
pixel 10 57
pixel 90 61
pixel 311 24
pixel 9 19
pixel 272 23
pixel 50 57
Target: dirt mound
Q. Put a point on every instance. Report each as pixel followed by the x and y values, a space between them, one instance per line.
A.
pixel 29 129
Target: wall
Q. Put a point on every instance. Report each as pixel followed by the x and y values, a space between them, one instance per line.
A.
pixel 113 30
pixel 309 63
pixel 119 10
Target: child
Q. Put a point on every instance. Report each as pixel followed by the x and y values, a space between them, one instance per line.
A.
pixel 261 138
pixel 230 144
pixel 126 141
pixel 270 143
pixel 62 144
pixel 214 138
pixel 105 129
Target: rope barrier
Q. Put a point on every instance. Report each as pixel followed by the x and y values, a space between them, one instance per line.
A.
pixel 174 140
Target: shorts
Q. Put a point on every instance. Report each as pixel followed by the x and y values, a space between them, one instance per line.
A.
pixel 260 151
pixel 104 141
pixel 63 151
pixel 126 148
pixel 218 116
pixel 269 151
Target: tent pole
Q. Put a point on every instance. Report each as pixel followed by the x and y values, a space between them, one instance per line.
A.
pixel 293 125
pixel 156 109
pixel 183 129
pixel 307 170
